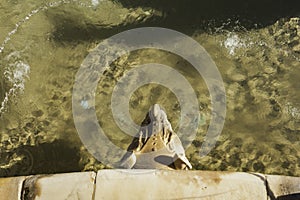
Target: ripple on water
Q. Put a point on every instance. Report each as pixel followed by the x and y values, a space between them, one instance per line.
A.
pixel 261 132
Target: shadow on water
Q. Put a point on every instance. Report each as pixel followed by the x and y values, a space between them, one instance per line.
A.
pixel 183 16
pixel 289 197
pixel 249 12
pixel 46 158
pixel 69 30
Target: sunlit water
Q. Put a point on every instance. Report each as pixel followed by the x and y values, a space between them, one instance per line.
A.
pixel 43 46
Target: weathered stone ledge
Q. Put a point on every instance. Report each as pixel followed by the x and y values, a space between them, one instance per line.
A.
pixel 151 184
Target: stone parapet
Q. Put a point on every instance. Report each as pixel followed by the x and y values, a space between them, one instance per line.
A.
pixel 151 184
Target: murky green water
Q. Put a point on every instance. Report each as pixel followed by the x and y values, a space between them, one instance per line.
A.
pixel 260 68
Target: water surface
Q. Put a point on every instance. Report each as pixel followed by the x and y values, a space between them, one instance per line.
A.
pixel 43 46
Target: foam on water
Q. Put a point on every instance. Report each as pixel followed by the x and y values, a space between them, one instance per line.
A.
pixel 18 71
pixel 233 42
pixel 293 111
pixel 95 2
pixel 16 74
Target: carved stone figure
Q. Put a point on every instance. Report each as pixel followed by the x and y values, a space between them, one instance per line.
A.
pixel 156 146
